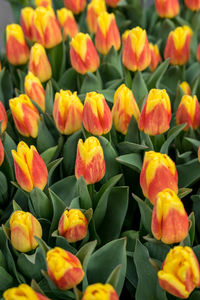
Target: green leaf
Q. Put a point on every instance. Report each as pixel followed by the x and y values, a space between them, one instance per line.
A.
pixel 193 142
pixel 57 57
pixel 41 204
pixel 66 189
pixel 139 87
pixel 108 94
pixel 113 278
pixel 109 73
pixel 146 213
pixel 90 83
pixel 49 97
pixel 127 147
pixel 192 72
pixel 155 78
pixel 132 134
pixel 188 173
pixel 51 168
pixel 3 190
pixel 21 76
pixel 133 161
pixel 68 80
pixel 48 155
pixel 6 280
pixel 183 192
pixel 195 296
pixel 45 139
pixel 172 134
pixel 85 199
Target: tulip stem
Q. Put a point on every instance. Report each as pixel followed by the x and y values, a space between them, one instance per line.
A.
pixel 91 190
pixel 182 69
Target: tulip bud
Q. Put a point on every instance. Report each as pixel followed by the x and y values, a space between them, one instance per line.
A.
pixel 17 51
pixel 124 108
pixel 136 52
pixel 156 113
pixel 73 225
pixel 188 112
pixel 83 55
pixel 30 169
pixel 100 291
pixel 26 21
pixel 180 272
pixel 112 3
pixel 192 4
pixel 67 21
pixel 35 90
pixel 198 53
pixel 25 115
pixel 23 292
pixel 23 227
pixel 169 219
pixel 94 9
pixel 44 3
pixel 155 57
pixel 39 64
pixel 1 153
pixel 158 173
pixel 124 36
pixel 90 161
pixel 67 112
pixel 64 268
pixel 76 6
pixel 3 118
pixel 97 117
pixel 178 45
pixel 167 8
pixel 186 88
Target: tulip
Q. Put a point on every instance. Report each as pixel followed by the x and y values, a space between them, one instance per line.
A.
pixel 167 8
pixel 83 55
pixel 94 9
pixel 64 268
pixel 180 272
pixel 198 53
pixel 25 115
pixel 169 219
pixel 67 21
pixel 1 153
pixel 3 118
pixel 112 3
pixel 39 64
pixel 156 113
pixel 100 291
pixel 136 52
pixel 186 88
pixel 67 112
pixel 26 21
pixel 17 51
pixel 73 225
pixel 30 169
pixel 155 57
pixel 107 35
pixel 23 292
pixel 44 3
pixel 124 108
pixel 124 36
pixel 90 161
pixel 35 90
pixel 188 112
pixel 97 117
pixel 177 48
pixel 158 173
pixel 23 227
pixel 76 6
pixel 192 4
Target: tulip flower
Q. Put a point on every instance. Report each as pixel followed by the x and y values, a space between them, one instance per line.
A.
pixel 17 51
pixel 64 268
pixel 192 4
pixel 107 35
pixel 94 9
pixel 83 55
pixel 124 36
pixel 112 3
pixel 167 8
pixel 73 225
pixel 30 169
pixel 198 53
pixel 35 90
pixel 156 113
pixel 68 22
pixel 90 161
pixel 1 153
pixel 136 52
pixel 23 292
pixel 76 6
pixel 100 291
pixel 180 272
pixel 26 21
pixel 3 118
pixel 44 3
pixel 177 48
pixel 67 112
pixel 169 219
pixel 188 112
pixel 23 227
pixel 25 115
pixel 155 57
pixel 158 173
pixel 97 117
pixel 124 108
pixel 186 88
pixel 39 64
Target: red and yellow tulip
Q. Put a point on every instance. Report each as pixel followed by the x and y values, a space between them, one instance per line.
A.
pixel 192 4
pixel 112 3
pixel 1 153
pixel 186 88
pixel 3 118
pixel 94 9
pixel 23 291
pixel 100 291
pixel 155 57
pixel 76 6
pixel 67 21
pixel 26 21
pixel 44 3
pixel 167 8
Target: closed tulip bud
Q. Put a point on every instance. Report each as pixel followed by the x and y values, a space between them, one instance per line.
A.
pixel 156 113
pixel 100 291
pixel 23 227
pixel 192 4
pixel 26 21
pixel 35 90
pixel 136 54
pixel 90 161
pixel 167 8
pixel 39 64
pixel 186 88
pixel 3 118
pixel 44 3
pixel 158 173
pixel 64 268
pixel 169 219
pixel 17 51
pixel 94 9
pixel 107 35
pixel 188 112
pixel 67 21
pixel 155 57
pixel 198 53
pixel 73 225
pixel 1 153
pixel 180 272
pixel 177 48
pixel 112 3
pixel 97 117
pixel 124 108
pixel 76 6
pixel 25 115
pixel 30 169
pixel 83 55
pixel 124 36
pixel 23 292
pixel 67 112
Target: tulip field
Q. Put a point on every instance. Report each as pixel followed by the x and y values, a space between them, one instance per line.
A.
pixel 100 150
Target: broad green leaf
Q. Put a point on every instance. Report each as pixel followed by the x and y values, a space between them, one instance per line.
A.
pixel 183 192
pixel 90 83
pixel 113 278
pixel 172 134
pixel 48 155
pixel 133 161
pixel 85 199
pixel 41 204
pixel 139 87
pixel 49 97
pixel 155 78
pixel 146 213
pixel 127 147
pixel 188 173
pixel 6 280
pixel 66 189
pixel 68 80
